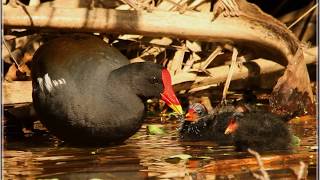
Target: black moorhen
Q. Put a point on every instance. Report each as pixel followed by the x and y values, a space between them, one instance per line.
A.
pixel 250 128
pixel 87 93
pixel 259 130
pixel 199 125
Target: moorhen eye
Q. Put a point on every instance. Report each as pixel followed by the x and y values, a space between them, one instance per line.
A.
pixel 154 80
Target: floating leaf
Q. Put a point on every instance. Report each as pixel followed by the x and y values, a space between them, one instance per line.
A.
pixel 181 156
pixel 155 129
pixel 204 157
pixel 295 141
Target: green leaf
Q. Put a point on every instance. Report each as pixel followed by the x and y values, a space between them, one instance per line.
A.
pixel 295 141
pixel 155 129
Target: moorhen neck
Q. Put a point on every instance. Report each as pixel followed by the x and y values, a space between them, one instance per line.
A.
pixel 87 93
pixel 259 130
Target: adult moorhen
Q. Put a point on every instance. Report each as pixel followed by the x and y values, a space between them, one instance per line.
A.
pixel 87 93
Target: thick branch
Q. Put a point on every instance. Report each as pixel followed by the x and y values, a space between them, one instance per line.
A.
pixel 188 26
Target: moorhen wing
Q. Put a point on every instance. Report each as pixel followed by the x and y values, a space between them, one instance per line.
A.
pixel 87 93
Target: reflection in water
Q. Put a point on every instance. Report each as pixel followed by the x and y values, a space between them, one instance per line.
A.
pixel 150 157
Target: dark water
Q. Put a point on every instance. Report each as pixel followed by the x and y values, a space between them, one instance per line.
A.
pixel 151 157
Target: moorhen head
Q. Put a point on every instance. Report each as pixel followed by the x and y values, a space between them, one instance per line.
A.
pixel 201 125
pixel 259 130
pixel 87 93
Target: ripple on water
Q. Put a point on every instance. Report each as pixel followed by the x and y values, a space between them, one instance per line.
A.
pixel 150 156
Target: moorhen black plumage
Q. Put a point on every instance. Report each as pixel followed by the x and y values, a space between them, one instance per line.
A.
pixel 87 93
pixel 201 125
pixel 259 130
pixel 249 128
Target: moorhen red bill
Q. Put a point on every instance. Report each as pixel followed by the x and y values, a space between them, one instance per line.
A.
pixel 87 93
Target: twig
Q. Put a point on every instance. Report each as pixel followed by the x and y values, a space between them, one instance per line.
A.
pixel 206 63
pixel 301 17
pixel 230 73
pixel 194 4
pixel 132 3
pixel 12 56
pixel 177 5
pixel 193 57
pixel 16 34
pixel 212 56
pixel 15 3
pixel 264 173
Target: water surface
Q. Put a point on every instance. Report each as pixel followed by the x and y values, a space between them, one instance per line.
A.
pixel 146 156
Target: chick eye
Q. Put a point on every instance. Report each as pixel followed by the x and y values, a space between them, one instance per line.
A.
pixel 154 80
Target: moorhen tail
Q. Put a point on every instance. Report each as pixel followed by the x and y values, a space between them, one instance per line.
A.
pixel 200 125
pixel 87 93
pixel 259 130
